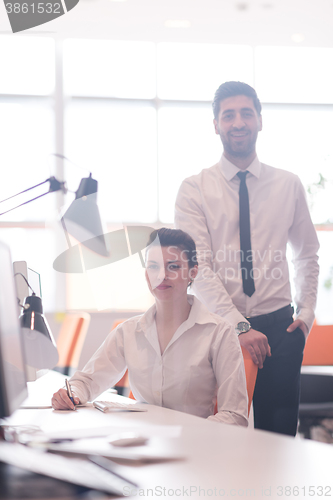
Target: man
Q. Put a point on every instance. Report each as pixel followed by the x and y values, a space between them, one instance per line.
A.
pixel 242 213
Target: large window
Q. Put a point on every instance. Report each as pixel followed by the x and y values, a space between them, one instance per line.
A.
pixel 138 116
pixel 298 138
pixel 192 72
pixel 116 141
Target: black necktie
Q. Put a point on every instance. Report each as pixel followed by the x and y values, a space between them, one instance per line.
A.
pixel 245 236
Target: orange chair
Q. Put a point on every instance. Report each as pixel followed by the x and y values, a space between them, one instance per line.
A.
pixel 251 371
pixel 316 401
pixel 70 341
pixel 131 395
pixel 319 346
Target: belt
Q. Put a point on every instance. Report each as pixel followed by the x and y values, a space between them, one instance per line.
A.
pixel 269 319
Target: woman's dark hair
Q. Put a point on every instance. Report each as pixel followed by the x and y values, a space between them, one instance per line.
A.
pixel 177 238
pixel 231 89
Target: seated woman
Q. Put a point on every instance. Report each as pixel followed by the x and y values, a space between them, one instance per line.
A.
pixel 178 354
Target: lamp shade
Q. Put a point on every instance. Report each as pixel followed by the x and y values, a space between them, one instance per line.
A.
pixel 82 219
pixel 40 348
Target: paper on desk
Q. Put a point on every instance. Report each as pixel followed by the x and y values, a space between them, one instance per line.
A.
pixel 95 441
pixel 149 431
pixel 159 451
pixel 41 407
pixel 26 407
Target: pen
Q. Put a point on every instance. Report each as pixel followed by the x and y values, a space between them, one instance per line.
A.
pixel 69 392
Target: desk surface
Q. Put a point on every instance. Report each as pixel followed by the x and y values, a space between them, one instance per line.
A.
pixel 317 370
pixel 220 460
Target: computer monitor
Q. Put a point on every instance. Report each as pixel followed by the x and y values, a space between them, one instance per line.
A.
pixel 13 387
pixel 21 271
pixel 21 286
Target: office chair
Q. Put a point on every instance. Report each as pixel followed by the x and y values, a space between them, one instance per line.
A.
pixel 70 341
pixel 251 371
pixel 316 399
pixel 319 346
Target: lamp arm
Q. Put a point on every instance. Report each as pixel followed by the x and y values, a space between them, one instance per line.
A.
pixel 55 185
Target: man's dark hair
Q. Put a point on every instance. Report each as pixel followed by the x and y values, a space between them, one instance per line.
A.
pixel 177 238
pixel 231 89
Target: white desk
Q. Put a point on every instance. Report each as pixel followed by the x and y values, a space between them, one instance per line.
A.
pixel 317 370
pixel 222 460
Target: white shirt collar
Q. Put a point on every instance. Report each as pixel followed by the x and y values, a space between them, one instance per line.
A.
pixel 229 170
pixel 198 314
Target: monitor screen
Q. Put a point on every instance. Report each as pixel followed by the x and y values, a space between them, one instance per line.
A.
pixel 13 387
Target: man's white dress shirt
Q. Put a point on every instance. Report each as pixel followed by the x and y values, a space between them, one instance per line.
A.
pixel 207 208
pixel 202 360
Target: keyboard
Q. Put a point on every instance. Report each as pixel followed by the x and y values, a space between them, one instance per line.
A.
pixel 110 406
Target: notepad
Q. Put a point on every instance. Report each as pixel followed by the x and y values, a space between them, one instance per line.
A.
pixel 112 406
pixel 45 407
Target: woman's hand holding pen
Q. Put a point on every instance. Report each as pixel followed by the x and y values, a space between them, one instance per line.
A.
pixel 61 401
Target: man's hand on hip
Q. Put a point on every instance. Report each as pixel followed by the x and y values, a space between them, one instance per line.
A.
pixel 298 323
pixel 257 345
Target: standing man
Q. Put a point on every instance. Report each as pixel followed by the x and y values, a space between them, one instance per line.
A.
pixel 241 214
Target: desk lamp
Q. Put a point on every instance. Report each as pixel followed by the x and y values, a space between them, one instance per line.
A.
pixel 81 220
pixel 39 345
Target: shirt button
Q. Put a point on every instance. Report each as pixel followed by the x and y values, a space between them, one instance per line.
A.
pixel 157 393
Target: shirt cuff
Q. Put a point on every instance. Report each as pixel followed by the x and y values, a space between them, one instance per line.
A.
pixel 308 316
pixel 79 392
pixel 234 318
pixel 228 417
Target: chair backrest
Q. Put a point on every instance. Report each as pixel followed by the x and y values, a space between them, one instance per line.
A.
pixel 71 339
pixel 116 323
pixel 319 346
pixel 251 371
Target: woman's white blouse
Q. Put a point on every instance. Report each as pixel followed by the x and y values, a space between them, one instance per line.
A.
pixel 202 360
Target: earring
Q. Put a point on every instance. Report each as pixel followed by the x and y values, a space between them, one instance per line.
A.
pixel 190 282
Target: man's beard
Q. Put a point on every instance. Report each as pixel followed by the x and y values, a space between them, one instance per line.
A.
pixel 243 151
